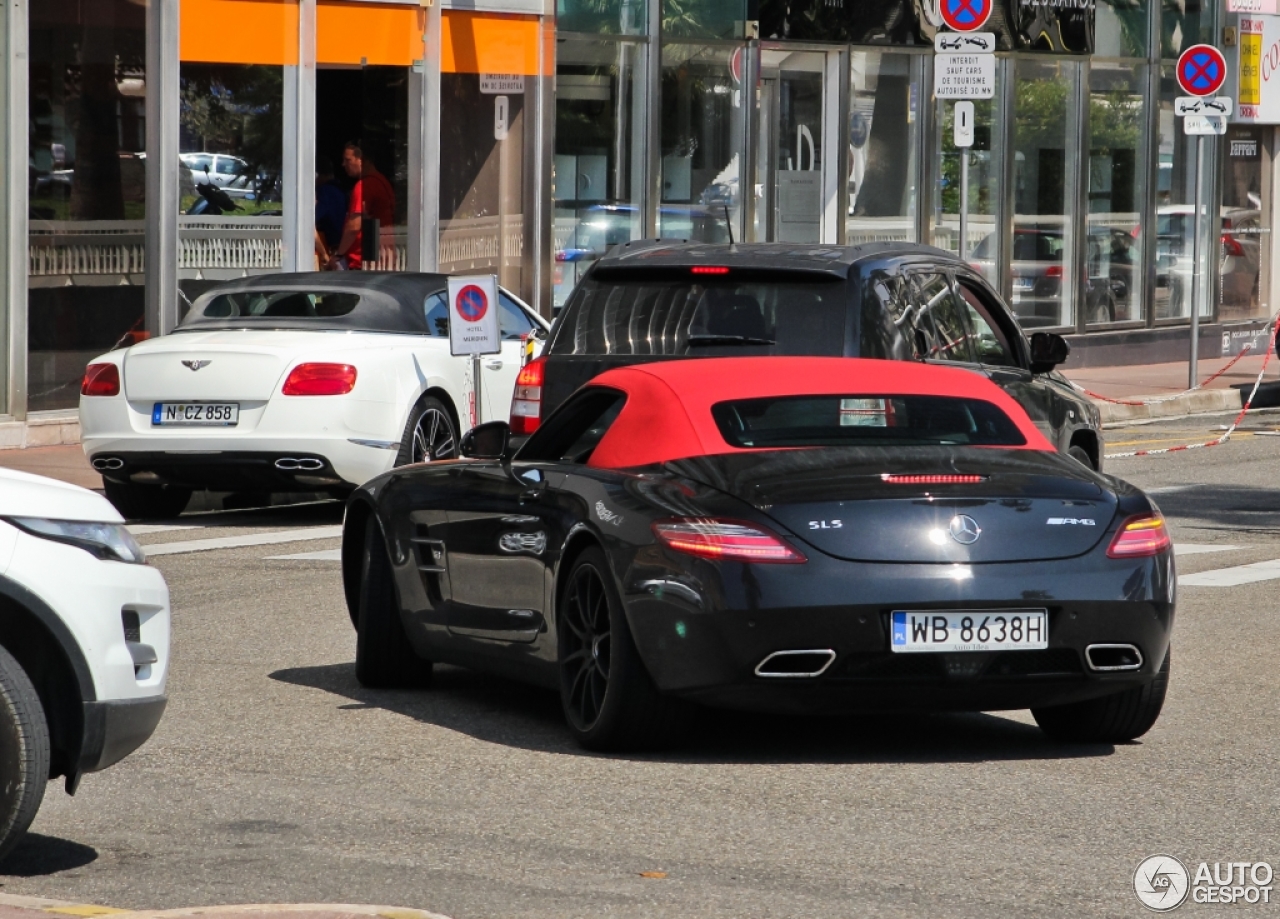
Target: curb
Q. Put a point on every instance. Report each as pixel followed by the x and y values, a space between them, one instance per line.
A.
pixel 9 903
pixel 1198 402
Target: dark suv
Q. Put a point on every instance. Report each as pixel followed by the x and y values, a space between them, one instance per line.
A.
pixel 660 300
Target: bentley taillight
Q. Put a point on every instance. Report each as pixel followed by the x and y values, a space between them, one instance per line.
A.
pixel 526 401
pixel 724 540
pixel 101 380
pixel 320 380
pixel 1140 536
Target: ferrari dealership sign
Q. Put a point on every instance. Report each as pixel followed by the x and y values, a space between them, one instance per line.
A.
pixel 1258 92
pixel 473 315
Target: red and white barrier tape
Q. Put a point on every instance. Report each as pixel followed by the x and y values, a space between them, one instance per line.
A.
pixel 1235 360
pixel 1271 347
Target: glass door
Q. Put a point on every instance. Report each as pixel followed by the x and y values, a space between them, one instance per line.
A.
pixel 798 169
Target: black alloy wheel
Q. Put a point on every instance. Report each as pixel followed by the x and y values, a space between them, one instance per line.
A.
pixel 24 752
pixel 609 699
pixel 429 435
pixel 384 657
pixel 584 658
pixel 1117 718
pixel 1081 456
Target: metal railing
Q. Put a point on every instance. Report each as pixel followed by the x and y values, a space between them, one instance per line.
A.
pixel 210 247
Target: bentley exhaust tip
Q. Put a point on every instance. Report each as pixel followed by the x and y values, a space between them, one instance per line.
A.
pixel 108 462
pixel 796 664
pixel 1113 657
pixel 304 464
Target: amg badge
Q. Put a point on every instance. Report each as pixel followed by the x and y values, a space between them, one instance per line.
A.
pixel 1070 521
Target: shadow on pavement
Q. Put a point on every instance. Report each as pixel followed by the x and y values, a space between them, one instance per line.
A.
pixel 36 856
pixel 1239 508
pixel 499 711
pixel 310 513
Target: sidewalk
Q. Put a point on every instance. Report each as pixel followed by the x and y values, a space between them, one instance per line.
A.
pixel 1147 382
pixel 14 907
pixel 66 463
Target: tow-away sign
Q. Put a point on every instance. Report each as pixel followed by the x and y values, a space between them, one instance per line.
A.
pixel 964 76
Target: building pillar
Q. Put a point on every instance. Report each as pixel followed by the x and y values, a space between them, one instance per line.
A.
pixel 162 107
pixel 424 149
pixel 13 205
pixel 298 149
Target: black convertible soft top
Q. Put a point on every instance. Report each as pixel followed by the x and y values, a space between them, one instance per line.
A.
pixel 389 302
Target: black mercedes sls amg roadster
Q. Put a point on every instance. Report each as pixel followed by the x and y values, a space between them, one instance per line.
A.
pixel 774 534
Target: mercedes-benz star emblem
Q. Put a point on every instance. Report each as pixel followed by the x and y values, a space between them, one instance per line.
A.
pixel 964 530
pixel 196 365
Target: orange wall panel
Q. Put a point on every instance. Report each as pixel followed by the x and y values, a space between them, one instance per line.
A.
pixel 238 31
pixel 388 35
pixel 489 43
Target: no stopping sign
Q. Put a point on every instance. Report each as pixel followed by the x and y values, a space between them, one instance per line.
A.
pixel 473 315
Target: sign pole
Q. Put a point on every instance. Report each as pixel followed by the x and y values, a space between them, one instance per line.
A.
pixel 964 200
pixel 1193 370
pixel 475 387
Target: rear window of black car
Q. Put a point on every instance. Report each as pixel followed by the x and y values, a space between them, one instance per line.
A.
pixel 279 304
pixel 679 313
pixel 860 420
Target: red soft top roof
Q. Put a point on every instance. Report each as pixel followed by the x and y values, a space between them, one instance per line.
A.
pixel 667 415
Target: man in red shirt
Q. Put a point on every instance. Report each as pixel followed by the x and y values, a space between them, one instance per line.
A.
pixel 372 196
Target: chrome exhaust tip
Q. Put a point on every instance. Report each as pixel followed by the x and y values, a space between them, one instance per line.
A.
pixel 305 464
pixel 796 664
pixel 1113 657
pixel 108 462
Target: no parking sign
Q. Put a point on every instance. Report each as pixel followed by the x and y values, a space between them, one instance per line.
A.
pixel 473 315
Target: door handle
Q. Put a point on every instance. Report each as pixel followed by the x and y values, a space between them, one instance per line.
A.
pixel 494 364
pixel 531 494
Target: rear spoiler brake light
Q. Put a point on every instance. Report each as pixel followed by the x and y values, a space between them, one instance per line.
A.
pixel 894 478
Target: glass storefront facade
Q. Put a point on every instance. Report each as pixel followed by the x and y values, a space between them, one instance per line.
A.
pixel 86 193
pixel 526 140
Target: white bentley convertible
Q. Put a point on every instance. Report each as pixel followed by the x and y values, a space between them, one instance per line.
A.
pixel 290 382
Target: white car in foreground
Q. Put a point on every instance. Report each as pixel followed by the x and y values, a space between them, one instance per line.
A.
pixel 291 382
pixel 84 642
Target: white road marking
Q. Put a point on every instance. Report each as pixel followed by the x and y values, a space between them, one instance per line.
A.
pixel 1233 577
pixel 1192 548
pixel 237 542
pixel 324 555
pixel 1170 489
pixel 142 529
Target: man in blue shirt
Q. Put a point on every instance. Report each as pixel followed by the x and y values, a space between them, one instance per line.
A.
pixel 331 212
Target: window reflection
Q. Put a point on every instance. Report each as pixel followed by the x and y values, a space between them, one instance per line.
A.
pixel 1113 255
pixel 1042 234
pixel 599 157
pixel 87 129
pixel 362 165
pixel 883 147
pixel 702 139
pixel 230 142
pixel 982 247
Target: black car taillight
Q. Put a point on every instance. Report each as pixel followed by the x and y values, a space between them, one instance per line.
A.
pixel 724 540
pixel 526 401
pixel 1140 536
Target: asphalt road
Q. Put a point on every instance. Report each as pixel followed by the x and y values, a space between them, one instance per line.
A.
pixel 275 777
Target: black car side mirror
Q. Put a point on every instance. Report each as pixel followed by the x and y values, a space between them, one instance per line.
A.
pixel 1048 350
pixel 486 441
